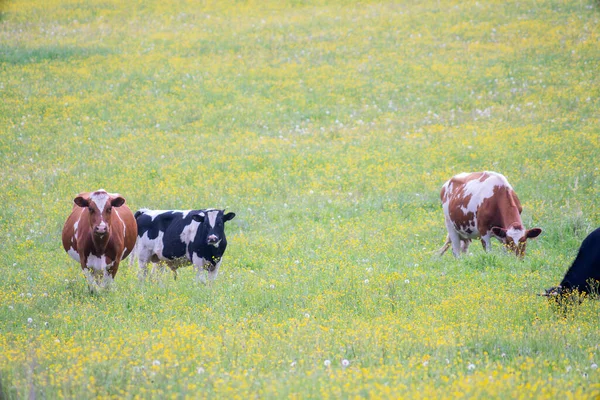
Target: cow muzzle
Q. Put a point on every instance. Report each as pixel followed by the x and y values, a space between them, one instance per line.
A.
pixel 213 240
pixel 101 230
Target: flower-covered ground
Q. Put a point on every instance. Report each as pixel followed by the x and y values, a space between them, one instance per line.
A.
pixel 329 128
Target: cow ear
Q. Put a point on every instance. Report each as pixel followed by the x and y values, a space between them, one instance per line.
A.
pixel 228 216
pixel 533 233
pixel 198 217
pixel 81 202
pixel 117 201
pixel 499 232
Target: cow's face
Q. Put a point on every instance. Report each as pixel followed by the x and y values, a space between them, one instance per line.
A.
pixel 99 206
pixel 515 239
pixel 213 222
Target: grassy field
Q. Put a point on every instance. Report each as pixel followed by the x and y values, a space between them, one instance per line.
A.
pixel 328 127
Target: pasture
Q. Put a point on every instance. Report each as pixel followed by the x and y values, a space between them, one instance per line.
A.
pixel 328 127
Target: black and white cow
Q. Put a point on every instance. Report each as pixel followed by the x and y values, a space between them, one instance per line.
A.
pixel 584 273
pixel 178 237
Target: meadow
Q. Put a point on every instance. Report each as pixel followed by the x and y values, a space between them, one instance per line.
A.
pixel 328 127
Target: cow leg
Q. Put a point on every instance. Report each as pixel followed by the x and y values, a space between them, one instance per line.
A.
pixel 454 238
pixel 142 269
pixel 199 267
pixel 108 274
pixel 89 276
pixel 143 258
pixel 464 245
pixel 486 242
pixel 107 279
pixel 133 255
pixel 91 280
pixel 213 274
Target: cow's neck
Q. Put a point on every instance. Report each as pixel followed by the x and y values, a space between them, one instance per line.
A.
pixel 99 244
pixel 509 212
pixel 511 218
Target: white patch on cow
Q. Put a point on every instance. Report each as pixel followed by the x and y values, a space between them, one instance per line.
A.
pixel 74 254
pixel 97 272
pixel 479 192
pixel 189 232
pixel 155 213
pixel 120 219
pixel 98 264
pixel 100 197
pixel 515 234
pixel 212 217
pixel 146 247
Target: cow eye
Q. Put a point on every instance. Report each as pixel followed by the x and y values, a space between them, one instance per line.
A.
pixel 109 209
pixel 91 210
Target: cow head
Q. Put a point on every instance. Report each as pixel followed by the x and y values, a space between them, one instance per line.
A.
pixel 99 206
pixel 213 225
pixel 515 237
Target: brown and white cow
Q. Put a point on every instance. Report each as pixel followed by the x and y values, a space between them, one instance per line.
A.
pixel 482 205
pixel 99 233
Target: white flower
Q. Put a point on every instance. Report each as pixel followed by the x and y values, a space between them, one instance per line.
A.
pixel 293 364
pixel 425 363
pixel 594 366
pixel 272 286
pixel 200 370
pixel 306 315
pixel 327 363
pixel 29 320
pixel 406 281
pixel 156 363
pixel 471 367
pixel 366 281
pixel 345 363
pixel 569 368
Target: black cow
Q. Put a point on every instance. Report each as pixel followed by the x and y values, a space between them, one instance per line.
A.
pixel 180 237
pixel 584 273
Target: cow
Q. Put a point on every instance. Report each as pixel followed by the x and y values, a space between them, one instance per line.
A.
pixel 584 274
pixel 100 232
pixel 483 205
pixel 181 237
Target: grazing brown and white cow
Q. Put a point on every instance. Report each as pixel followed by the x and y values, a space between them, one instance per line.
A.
pixel 482 205
pixel 99 233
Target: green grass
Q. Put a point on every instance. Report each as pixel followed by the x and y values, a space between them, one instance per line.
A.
pixel 328 128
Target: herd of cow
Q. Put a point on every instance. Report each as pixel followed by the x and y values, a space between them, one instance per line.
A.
pixel 101 231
